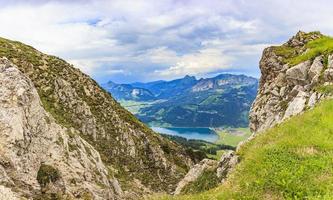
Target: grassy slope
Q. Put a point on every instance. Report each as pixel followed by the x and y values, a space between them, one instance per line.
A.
pixel 293 160
pixel 321 46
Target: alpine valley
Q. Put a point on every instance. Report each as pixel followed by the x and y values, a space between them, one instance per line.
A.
pixel 64 137
pixel 221 101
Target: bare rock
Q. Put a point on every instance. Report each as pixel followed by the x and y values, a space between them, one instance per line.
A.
pixel 298 75
pixel 316 67
pixel 226 164
pixel 312 100
pixel 296 84
pixel 297 105
pixel 7 193
pixel 328 75
pixel 195 172
pixel 33 147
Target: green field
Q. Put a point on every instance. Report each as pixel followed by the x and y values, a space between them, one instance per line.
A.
pixel 135 106
pixel 232 136
pixel 293 160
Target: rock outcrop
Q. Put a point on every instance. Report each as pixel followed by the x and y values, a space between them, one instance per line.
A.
pixel 286 90
pixel 221 169
pixel 39 157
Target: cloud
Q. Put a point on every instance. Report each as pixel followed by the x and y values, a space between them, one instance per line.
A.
pixel 145 40
pixel 200 63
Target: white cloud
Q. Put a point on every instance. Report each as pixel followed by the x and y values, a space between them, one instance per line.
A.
pixel 200 63
pixel 148 39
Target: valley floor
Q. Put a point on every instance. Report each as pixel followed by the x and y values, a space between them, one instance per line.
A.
pixel 290 161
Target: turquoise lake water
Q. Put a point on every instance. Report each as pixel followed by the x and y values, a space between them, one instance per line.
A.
pixel 189 133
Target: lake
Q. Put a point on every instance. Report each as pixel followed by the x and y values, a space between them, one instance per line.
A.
pixel 189 133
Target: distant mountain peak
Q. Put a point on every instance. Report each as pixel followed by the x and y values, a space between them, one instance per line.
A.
pixel 189 77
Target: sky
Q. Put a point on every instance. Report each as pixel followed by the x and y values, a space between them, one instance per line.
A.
pixel 146 40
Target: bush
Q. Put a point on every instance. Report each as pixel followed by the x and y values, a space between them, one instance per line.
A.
pixel 47 174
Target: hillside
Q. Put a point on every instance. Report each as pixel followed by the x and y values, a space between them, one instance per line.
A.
pixel 223 100
pixel 126 150
pixel 289 154
pixel 290 161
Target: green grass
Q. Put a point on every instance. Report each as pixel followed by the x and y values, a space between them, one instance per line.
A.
pixel 206 181
pixel 135 106
pixel 325 89
pixel 293 160
pixel 228 138
pixel 321 46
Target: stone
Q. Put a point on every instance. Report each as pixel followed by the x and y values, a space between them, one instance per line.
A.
pixel 297 105
pixel 223 168
pixel 296 84
pixel 298 75
pixel 316 67
pixel 328 75
pixel 330 62
pixel 8 194
pixel 195 172
pixel 226 164
pixel 30 138
pixel 312 100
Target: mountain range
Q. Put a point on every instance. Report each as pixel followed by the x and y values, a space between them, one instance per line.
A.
pixel 223 100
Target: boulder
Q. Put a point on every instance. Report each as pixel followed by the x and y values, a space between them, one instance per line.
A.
pixel 312 100
pixel 222 168
pixel 298 75
pixel 227 163
pixel 195 172
pixel 316 67
pixel 297 105
pixel 328 75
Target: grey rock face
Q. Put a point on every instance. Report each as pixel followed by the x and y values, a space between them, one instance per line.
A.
pixel 226 164
pixel 298 75
pixel 316 67
pixel 296 86
pixel 297 105
pixel 145 160
pixel 30 138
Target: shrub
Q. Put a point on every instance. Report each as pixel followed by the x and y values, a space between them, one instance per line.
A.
pixel 47 174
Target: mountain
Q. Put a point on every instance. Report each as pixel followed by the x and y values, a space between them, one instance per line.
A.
pixel 128 92
pixel 289 154
pixel 64 137
pixel 223 100
pixel 168 89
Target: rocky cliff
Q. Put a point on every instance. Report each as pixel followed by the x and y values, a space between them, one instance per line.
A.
pixel 294 76
pixel 40 158
pixel 61 134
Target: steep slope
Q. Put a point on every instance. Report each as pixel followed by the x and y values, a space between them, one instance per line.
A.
pixel 40 158
pixel 223 100
pixel 141 160
pixel 290 161
pixel 289 155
